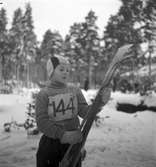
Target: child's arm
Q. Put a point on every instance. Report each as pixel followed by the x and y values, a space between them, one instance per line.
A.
pixel 44 123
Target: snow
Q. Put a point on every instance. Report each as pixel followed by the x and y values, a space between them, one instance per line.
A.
pixel 12 107
pixel 118 140
pixel 150 100
pixel 127 98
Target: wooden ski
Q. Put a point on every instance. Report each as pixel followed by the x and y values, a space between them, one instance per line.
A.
pixel 73 153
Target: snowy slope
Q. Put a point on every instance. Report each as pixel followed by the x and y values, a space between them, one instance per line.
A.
pixel 119 140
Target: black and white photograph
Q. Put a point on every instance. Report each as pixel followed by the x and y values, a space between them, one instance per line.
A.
pixel 77 83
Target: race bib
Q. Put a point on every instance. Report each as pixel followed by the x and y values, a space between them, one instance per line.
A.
pixel 62 106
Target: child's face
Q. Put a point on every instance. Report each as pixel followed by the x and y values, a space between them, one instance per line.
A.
pixel 61 73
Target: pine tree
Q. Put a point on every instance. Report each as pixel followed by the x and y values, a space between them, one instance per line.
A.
pixel 134 23
pixel 52 44
pixel 83 47
pixel 90 43
pixel 24 40
pixel 45 48
pixel 56 44
pixel 29 40
pixel 74 49
pixel 5 47
pixel 121 29
pixel 3 20
pixel 149 20
pixel 16 37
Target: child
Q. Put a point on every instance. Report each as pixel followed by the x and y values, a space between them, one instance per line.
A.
pixel 58 106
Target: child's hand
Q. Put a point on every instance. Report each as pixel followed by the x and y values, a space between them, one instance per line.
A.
pixel 71 137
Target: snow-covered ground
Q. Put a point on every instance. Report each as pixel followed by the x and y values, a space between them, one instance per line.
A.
pixel 119 139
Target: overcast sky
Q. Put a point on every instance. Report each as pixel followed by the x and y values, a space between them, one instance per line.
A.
pixel 61 14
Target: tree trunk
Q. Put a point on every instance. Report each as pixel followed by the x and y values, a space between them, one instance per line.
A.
pixel 149 63
pixel 28 75
pixel 17 73
pixel 2 69
pixel 150 71
pixel 89 72
pixel 77 69
pixel 1 72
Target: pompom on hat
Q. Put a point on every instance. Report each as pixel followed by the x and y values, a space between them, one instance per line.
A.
pixel 53 62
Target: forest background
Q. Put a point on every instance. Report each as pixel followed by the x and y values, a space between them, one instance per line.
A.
pixel 23 58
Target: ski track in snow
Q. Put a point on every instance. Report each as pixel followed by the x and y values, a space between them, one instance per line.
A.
pixel 120 140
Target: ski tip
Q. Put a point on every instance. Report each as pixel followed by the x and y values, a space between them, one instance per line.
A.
pixel 127 47
pixel 124 52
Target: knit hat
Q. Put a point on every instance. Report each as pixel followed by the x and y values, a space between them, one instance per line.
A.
pixel 53 62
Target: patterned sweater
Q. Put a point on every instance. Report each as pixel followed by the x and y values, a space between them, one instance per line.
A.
pixel 57 109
